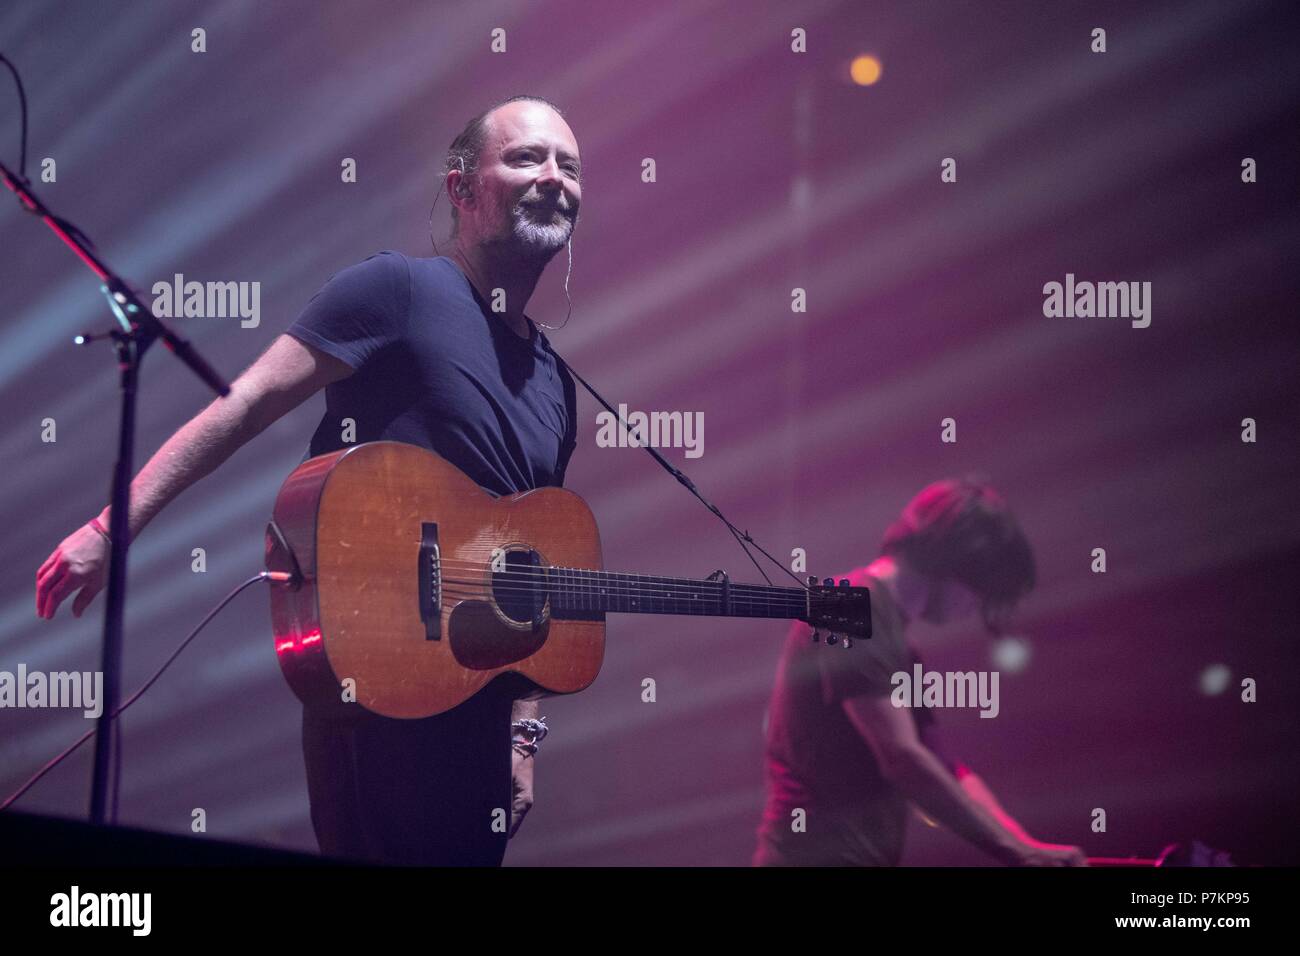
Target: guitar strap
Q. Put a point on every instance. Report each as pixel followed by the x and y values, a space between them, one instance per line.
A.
pixel 740 536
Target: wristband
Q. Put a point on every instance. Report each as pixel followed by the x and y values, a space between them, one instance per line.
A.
pixel 527 734
pixel 99 526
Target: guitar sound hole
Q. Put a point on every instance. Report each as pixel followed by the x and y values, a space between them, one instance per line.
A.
pixel 520 589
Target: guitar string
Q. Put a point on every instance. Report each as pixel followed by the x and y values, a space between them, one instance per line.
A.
pixel 565 576
pixel 641 579
pixel 743 609
pixel 519 580
pixel 477 587
pixel 745 597
pixel 772 609
pixel 769 595
pixel 636 578
pixel 787 606
pixel 767 613
pixel 490 552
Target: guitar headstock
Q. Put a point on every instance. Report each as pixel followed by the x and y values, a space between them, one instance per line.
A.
pixel 838 609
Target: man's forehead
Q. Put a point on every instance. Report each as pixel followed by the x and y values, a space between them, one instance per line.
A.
pixel 528 121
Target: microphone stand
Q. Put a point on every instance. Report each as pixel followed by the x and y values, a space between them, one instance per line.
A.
pixel 137 329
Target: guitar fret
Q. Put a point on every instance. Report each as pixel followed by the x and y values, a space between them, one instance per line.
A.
pixel 580 589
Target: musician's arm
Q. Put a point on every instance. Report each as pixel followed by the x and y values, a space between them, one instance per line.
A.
pixel 922 778
pixel 285 374
pixel 280 380
pixel 524 710
pixel 975 787
pixel 521 768
pixel 978 791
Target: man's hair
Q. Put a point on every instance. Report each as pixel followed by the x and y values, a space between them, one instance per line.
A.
pixel 466 149
pixel 962 530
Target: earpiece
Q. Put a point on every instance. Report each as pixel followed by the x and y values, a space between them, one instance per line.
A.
pixel 463 190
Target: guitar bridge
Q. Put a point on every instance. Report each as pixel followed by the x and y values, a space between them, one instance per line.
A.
pixel 430 581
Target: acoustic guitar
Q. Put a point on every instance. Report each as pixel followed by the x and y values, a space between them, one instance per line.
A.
pixel 406 588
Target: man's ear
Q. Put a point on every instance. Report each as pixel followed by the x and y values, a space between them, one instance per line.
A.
pixel 461 188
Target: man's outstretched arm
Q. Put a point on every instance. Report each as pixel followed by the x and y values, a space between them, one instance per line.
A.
pixel 285 375
pixel 921 777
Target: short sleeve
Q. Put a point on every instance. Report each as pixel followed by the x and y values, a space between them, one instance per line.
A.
pixel 868 667
pixel 361 309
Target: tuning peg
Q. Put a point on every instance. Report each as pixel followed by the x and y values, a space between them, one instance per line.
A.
pixel 812 580
pixel 829 582
pixel 832 638
pixel 816 636
pixel 844 582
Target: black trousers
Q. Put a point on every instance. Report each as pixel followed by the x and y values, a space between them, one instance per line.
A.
pixel 426 792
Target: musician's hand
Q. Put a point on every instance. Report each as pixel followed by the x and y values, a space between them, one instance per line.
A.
pixel 1035 853
pixel 521 788
pixel 80 561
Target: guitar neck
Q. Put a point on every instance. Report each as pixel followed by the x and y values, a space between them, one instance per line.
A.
pixel 580 591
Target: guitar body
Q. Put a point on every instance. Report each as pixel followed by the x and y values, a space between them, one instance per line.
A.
pixel 393 550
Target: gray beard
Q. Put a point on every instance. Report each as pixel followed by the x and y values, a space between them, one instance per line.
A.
pixel 530 239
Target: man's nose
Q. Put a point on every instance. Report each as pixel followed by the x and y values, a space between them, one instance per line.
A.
pixel 548 176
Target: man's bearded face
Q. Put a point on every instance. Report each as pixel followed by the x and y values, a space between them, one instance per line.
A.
pixel 529 172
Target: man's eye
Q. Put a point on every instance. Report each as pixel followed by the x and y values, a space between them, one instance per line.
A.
pixel 530 156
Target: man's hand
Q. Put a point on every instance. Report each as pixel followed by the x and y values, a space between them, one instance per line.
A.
pixel 1035 853
pixel 521 789
pixel 80 561
pixel 285 376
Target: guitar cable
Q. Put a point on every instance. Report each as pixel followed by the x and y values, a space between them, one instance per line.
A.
pixel 292 578
pixel 274 577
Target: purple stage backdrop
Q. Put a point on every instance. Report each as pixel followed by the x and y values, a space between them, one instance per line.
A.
pixel 921 215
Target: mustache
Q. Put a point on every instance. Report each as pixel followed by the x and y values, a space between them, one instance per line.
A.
pixel 566 208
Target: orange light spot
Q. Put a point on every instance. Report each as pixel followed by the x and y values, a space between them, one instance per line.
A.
pixel 865 70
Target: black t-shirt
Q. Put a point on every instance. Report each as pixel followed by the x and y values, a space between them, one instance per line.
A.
pixel 817 761
pixel 435 367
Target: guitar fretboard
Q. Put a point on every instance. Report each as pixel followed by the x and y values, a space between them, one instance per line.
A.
pixel 581 590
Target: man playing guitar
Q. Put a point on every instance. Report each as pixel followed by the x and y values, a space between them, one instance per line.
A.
pixel 433 352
